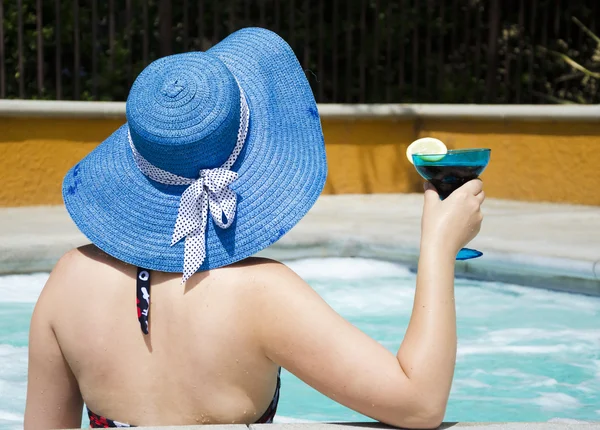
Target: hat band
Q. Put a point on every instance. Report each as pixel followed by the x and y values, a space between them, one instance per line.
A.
pixel 210 191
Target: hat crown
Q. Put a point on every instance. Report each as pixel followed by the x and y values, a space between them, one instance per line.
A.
pixel 183 113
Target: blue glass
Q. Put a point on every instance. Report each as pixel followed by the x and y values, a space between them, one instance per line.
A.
pixel 447 172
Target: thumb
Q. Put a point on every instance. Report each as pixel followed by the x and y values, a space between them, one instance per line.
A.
pixel 431 195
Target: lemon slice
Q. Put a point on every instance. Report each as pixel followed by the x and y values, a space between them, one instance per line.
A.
pixel 428 148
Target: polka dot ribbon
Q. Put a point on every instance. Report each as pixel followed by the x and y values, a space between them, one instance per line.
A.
pixel 210 192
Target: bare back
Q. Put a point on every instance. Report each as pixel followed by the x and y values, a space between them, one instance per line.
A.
pixel 199 363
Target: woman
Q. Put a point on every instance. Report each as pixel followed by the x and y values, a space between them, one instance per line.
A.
pixel 221 155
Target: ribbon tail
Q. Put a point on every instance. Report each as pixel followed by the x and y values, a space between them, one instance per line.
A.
pixel 224 205
pixel 195 253
pixel 188 219
pixel 222 199
pixel 195 242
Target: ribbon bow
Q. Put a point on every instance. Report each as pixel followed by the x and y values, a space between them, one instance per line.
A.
pixel 208 192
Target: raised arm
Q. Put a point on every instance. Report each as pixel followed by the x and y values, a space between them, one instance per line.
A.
pixel 303 334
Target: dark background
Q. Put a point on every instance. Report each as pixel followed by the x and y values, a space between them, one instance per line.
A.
pixel 353 51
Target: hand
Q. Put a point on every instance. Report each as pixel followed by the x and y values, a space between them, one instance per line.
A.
pixel 455 221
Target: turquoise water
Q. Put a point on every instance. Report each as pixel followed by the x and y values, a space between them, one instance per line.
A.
pixel 524 354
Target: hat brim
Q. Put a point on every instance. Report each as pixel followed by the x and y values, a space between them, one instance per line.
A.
pixel 282 170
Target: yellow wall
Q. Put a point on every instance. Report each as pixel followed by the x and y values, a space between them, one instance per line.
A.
pixel 555 162
pixel 367 156
pixel 531 161
pixel 35 154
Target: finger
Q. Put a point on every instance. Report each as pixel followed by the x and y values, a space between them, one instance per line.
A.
pixel 431 194
pixel 474 186
pixel 480 197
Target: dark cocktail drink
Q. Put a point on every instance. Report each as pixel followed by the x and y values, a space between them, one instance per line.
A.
pixel 446 179
pixel 449 171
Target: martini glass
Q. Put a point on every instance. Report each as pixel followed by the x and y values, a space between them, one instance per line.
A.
pixel 449 171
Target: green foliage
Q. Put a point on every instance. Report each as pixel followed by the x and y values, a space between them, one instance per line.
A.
pixel 398 51
pixel 582 71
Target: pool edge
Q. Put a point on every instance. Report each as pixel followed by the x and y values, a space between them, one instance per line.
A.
pixel 567 425
pixel 559 274
pixel 34 238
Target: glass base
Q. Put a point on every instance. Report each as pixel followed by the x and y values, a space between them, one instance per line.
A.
pixel 468 253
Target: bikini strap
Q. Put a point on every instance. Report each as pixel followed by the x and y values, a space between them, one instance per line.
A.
pixel 143 298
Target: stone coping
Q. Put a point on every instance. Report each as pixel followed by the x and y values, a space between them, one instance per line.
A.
pixel 575 113
pixel 553 425
pixel 544 245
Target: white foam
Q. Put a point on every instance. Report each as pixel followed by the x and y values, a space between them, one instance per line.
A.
pixel 9 416
pixel 596 364
pixel 362 301
pixel 346 268
pixel 491 299
pixel 547 401
pixel 13 385
pixel 357 287
pixel 528 341
pixel 10 425
pixel 477 372
pixel 21 288
pixel 10 421
pixel 493 399
pixel 582 387
pixel 567 421
pixel 527 334
pixel 7 350
pixel 520 349
pixel 526 381
pixel 556 401
pixel 470 383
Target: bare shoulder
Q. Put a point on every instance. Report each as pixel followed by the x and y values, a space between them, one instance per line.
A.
pixel 258 282
pixel 80 261
pixel 264 272
pixel 86 256
pixel 266 283
pixel 256 263
pixel 82 266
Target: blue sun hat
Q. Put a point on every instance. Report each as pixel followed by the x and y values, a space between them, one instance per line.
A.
pixel 221 155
